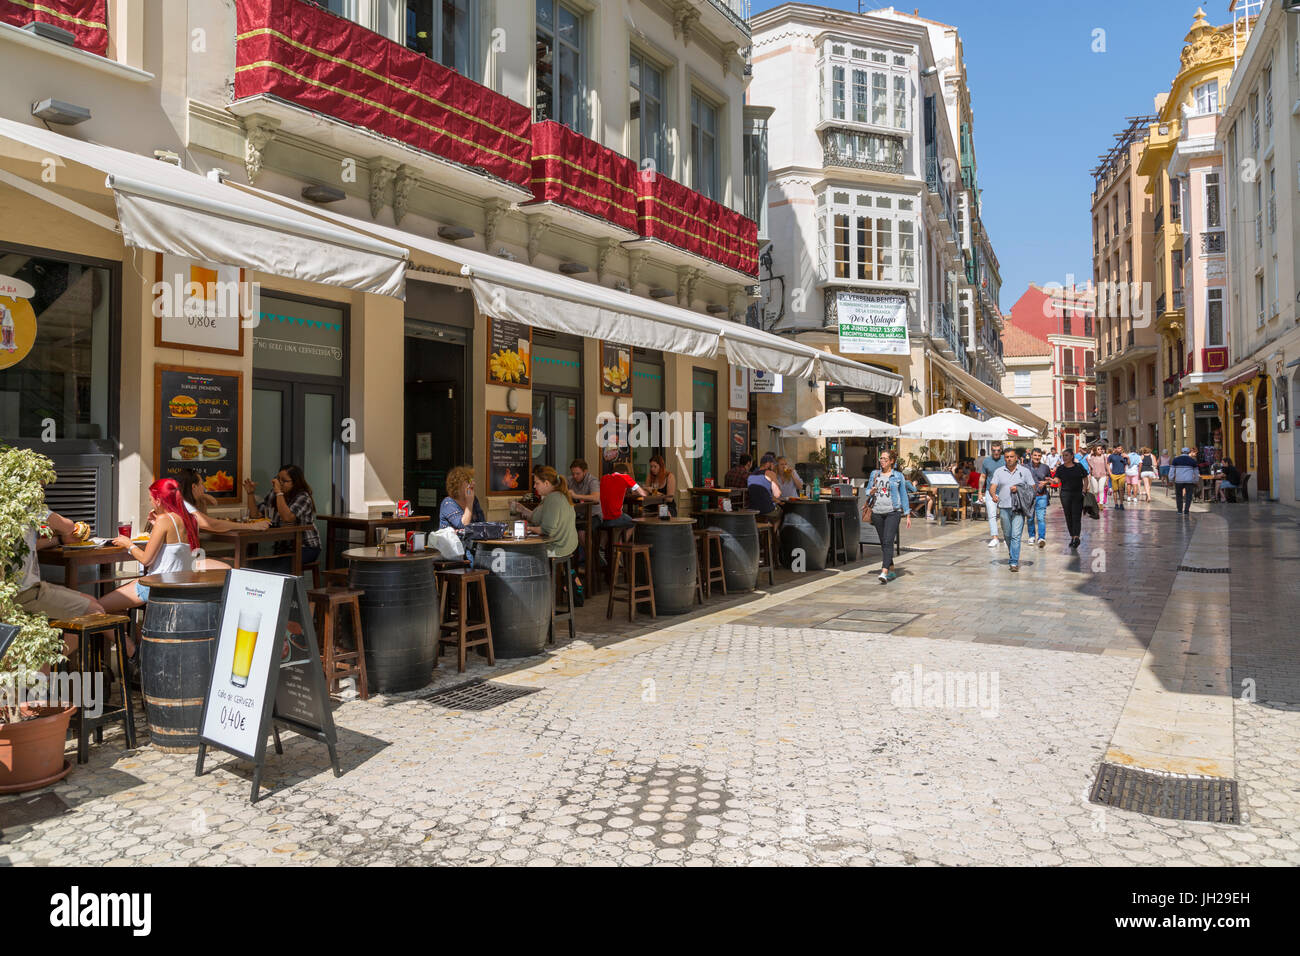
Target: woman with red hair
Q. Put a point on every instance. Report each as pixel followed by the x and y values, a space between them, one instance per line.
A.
pixel 170 547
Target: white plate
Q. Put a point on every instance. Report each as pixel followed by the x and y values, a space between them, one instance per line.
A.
pixel 176 455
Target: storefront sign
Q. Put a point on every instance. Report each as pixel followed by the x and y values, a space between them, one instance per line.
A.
pixel 508 441
pixel 738 393
pixel 299 337
pixel 17 320
pixel 872 324
pixel 267 671
pixel 761 381
pixel 615 369
pixel 200 305
pixel 510 346
pixel 737 441
pixel 196 425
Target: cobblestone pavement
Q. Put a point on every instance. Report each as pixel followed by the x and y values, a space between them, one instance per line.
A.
pixel 789 727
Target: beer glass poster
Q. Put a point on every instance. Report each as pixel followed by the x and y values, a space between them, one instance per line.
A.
pixel 250 621
pixel 197 416
pixel 872 324
pixel 510 347
pixel 615 369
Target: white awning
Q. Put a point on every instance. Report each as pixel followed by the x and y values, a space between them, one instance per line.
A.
pixel 163 208
pixel 988 398
pixel 506 289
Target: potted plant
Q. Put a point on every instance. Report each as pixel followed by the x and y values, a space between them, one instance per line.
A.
pixel 31 737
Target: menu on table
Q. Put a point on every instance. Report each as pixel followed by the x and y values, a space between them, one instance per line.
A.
pixel 197 418
pixel 509 449
pixel 510 346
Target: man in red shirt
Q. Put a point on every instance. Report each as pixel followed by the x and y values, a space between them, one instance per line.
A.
pixel 613 489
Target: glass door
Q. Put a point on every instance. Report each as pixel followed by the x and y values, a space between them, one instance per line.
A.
pixel 299 423
pixel 556 431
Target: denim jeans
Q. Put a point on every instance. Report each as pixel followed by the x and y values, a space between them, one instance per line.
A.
pixel 1038 528
pixel 1013 526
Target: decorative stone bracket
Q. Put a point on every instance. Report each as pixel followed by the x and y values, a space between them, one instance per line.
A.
pixel 258 133
pixel 495 212
pixel 537 227
pixel 684 19
pixel 382 173
pixel 686 279
pixel 402 185
pixel 607 247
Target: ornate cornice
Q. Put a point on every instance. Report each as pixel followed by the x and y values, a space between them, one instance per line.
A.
pixel 1206 43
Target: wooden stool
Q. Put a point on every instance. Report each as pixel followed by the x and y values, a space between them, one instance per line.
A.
pixel 455 630
pixel 635 593
pixel 708 544
pixel 768 550
pixel 838 552
pixel 91 659
pixel 336 578
pixel 338 665
pixel 562 566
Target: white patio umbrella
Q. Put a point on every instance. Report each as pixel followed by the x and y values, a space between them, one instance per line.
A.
pixel 948 424
pixel 840 423
pixel 1007 429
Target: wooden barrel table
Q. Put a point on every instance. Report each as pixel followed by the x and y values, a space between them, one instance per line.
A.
pixel 519 593
pixel 178 643
pixel 804 526
pixel 850 508
pixel 399 616
pixel 672 561
pixel 739 546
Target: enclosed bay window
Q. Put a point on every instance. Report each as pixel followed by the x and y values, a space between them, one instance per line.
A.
pixel 866 86
pixel 561 65
pixel 446 31
pixel 1213 318
pixel 646 83
pixel 867 237
pixel 1213 205
pixel 704 147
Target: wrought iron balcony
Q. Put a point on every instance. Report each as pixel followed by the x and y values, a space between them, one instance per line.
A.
pixel 1212 243
pixel 1160 304
pixel 875 151
pixel 737 11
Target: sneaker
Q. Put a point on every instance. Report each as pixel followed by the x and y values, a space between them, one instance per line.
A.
pixel 1042 542
pixel 1074 542
pixel 884 578
pixel 1015 567
pixel 892 575
pixel 929 518
pixel 993 542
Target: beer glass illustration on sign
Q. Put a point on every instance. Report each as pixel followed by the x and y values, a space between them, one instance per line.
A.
pixel 250 622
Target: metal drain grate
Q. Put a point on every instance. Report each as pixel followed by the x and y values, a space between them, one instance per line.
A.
pixel 1185 567
pixel 1199 799
pixel 478 695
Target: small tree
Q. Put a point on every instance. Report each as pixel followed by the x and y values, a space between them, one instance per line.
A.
pixel 23 476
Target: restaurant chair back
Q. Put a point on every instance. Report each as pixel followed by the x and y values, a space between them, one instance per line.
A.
pixel 562 581
pixel 326 604
pixel 92 630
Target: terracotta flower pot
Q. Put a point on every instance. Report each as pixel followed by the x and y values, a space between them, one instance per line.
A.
pixel 31 751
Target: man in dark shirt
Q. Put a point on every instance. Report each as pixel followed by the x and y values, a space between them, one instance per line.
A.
pixel 1231 479
pixel 1117 461
pixel 1186 478
pixel 738 476
pixel 1042 495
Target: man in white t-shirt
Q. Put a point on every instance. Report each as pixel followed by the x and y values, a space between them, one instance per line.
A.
pixel 41 597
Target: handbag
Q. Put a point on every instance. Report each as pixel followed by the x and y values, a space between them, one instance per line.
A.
pixel 1090 505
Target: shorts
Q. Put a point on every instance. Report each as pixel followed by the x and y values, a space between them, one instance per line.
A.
pixel 1131 479
pixel 622 521
pixel 142 592
pixel 1148 474
pixel 54 601
pixel 1164 471
pixel 1117 482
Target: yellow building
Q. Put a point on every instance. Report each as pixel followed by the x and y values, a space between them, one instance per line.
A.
pixel 1184 172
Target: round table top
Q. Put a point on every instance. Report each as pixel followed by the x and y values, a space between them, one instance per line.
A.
pixel 723 511
pixel 516 542
pixel 214 577
pixel 802 501
pixel 389 554
pixel 663 521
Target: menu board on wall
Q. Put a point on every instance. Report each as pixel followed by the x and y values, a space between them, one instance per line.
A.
pixel 615 369
pixel 196 416
pixel 737 441
pixel 510 347
pixel 508 440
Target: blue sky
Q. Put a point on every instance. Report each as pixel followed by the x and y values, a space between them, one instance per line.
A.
pixel 1046 106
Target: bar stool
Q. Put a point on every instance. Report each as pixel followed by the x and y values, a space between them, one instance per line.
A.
pixel 769 550
pixel 338 665
pixel 635 593
pixel 564 567
pixel 838 552
pixel 708 546
pixel 336 578
pixel 454 630
pixel 92 658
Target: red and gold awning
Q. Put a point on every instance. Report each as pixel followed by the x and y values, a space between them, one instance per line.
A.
pixel 570 169
pixel 669 211
pixel 87 19
pixel 325 63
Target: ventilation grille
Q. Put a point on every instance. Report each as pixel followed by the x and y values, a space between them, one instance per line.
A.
pixel 76 494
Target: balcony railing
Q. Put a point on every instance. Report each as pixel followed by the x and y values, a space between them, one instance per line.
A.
pixel 858 150
pixel 1160 219
pixel 87 20
pixel 1212 243
pixel 301 54
pixel 1160 304
pixel 736 10
pixel 669 211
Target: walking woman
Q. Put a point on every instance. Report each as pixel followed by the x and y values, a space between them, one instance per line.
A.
pixel 884 505
pixel 1147 472
pixel 1071 474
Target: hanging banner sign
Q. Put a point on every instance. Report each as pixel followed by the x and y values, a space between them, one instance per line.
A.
pixel 872 324
pixel 761 381
pixel 267 672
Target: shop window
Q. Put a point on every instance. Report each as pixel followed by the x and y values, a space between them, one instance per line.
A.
pixel 557 406
pixel 57 372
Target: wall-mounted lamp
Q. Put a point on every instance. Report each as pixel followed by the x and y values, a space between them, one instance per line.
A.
pixel 716 309
pixel 57 111
pixel 573 268
pixel 49 31
pixel 914 388
pixel 320 193
pixel 662 293
pixel 454 233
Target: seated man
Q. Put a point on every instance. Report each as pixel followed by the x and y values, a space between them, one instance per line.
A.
pixel 1231 480
pixel 53 600
pixel 613 490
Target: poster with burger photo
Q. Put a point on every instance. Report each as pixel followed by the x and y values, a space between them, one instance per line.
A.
pixel 198 426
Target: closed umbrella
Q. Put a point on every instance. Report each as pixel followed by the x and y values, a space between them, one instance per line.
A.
pixel 948 424
pixel 840 423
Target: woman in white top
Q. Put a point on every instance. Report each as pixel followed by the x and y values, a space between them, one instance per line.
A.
pixel 170 547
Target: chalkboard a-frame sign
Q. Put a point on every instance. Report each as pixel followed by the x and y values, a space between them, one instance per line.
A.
pixel 266 674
